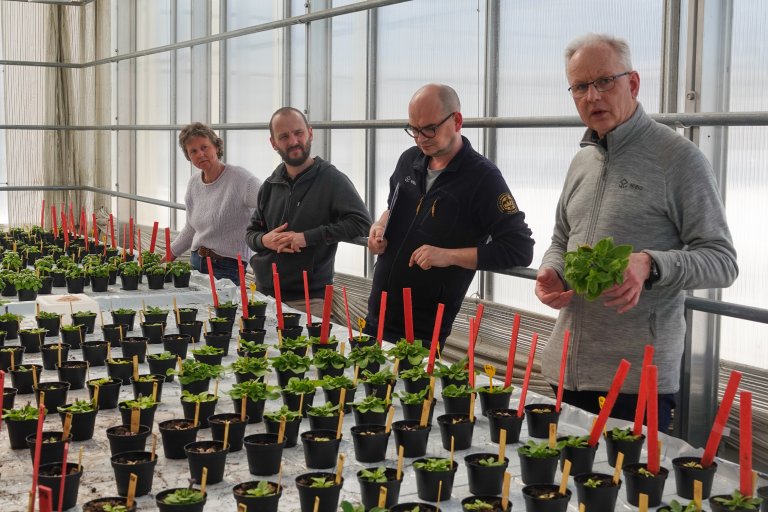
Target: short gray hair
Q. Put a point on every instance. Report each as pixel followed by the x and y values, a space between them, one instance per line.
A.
pixel 620 46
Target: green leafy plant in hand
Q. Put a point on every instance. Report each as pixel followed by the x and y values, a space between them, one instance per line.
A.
pixel 538 450
pixel 589 271
pixel 738 501
pixel 433 464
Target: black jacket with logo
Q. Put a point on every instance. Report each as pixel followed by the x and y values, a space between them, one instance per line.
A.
pixel 323 204
pixel 469 205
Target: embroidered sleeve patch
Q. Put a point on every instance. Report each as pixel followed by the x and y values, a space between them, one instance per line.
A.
pixel 506 203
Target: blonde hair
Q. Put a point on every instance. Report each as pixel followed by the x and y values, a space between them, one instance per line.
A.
pixel 200 130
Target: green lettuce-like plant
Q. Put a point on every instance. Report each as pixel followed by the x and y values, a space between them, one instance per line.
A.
pixel 151 258
pixel 254 390
pixel 478 504
pixel 623 434
pixel 78 407
pixel 283 413
pixel 456 371
pixel 298 342
pixel 738 501
pixel 321 482
pixel 24 413
pixel 257 366
pixel 573 442
pixel 676 506
pixel 27 280
pixel 589 271
pixel 454 391
pixel 183 497
pixel 142 402
pixel 298 386
pixel 208 350
pixel 129 268
pixel 290 362
pixel 371 403
pixel 381 377
pixel 433 464
pixel 413 398
pixel 495 389
pixel 180 268
pixel 326 358
pixel 538 450
pixel 377 475
pixel 363 356
pixel 491 462
pixel 205 396
pixel 194 371
pixel 326 410
pixel 154 270
pixel 356 507
pixel 251 347
pixel 262 489
pixel 155 310
pixel 342 381
pixel 48 315
pixel 162 356
pixel 414 374
pixel 413 352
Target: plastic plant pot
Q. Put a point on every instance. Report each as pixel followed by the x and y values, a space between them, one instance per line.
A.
pixel 264 453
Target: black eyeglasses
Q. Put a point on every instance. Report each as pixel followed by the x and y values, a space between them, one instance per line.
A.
pixel 602 84
pixel 428 131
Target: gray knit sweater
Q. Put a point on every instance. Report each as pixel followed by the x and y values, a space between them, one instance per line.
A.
pixel 218 213
pixel 655 190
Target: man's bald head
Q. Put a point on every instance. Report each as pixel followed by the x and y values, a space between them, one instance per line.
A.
pixel 443 96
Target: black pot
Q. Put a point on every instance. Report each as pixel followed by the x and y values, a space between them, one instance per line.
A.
pixel 99 283
pixel 291 430
pixel 412 437
pixel 193 329
pixel 83 424
pixel 371 446
pixel 538 422
pixel 50 355
pixel 538 470
pixel 206 409
pixel 485 480
pixel 244 377
pixel 138 463
pixel 329 371
pixel 257 308
pixel 11 327
pixel 50 476
pixel 362 341
pixel 74 337
pixel 253 322
pixel 109 394
pixel 226 312
pixel 257 504
pixel 89 321
pixel 219 340
pixel 27 295
pixel 292 332
pixel 369 491
pixel 320 454
pixel 181 281
pixel 176 434
pixel 299 351
pixel 55 394
pixel 161 367
pixel 582 458
pixel 253 335
pixel 177 344
pixel 505 419
pixel 124 318
pixel 59 279
pixel 114 333
pixel 75 284
pixel 290 320
pixel 219 325
pixel 314 329
pixel 264 453
pixel 156 282
pixel 254 409
pixel 196 387
pixel 146 415
pixel 284 376
pixel 495 400
pixel 153 332
pixel 369 417
pixel 129 282
pixel 145 388
pixel 98 504
pixel 185 315
pixel 120 368
pixel 215 461
pixel 762 492
pixel 166 507
pixel 217 422
pixel 408 507
pixel 5 357
pixel 416 386
pixel 630 449
pixel 135 346
pixel 534 503
pixel 31 341
pixel 457 426
pixel 95 352
pixel 47 286
pixel 51 450
pixel 685 476
pixel 379 390
pixel 9 397
pixel 122 440
pixel 50 324
pixel 456 405
pixel 18 430
pixel 24 381
pixel 597 499
pixel 428 482
pixel 73 372
pixel 211 359
pixel 334 395
pixel 640 484
pixel 323 422
pixel 294 401
pixel 329 496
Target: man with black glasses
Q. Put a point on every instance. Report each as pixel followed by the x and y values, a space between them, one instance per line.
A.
pixel 449 213
pixel 643 184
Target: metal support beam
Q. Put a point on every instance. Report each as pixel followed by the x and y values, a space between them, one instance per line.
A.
pixel 319 71
pixel 200 61
pixel 371 97
pixel 125 93
pixel 285 58
pixel 670 58
pixel 172 115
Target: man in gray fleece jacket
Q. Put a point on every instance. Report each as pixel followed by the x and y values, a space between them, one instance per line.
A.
pixel 645 185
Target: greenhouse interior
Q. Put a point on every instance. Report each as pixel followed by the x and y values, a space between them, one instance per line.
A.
pixel 532 221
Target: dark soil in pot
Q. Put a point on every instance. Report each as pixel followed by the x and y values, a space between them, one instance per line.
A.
pixel 505 419
pixel 121 439
pixel 329 496
pixel 51 450
pixel 485 479
pixel 545 498
pixel 427 482
pixel 257 504
pixel 209 454
pixel 138 463
pixel 412 437
pixel 264 453
pixel 599 498
pixel 99 504
pixel 539 417
pixel 73 372
pixel 369 491
pixel 457 426
pixel 370 442
pixel 414 507
pixel 50 355
pixel 688 470
pixel 176 434
pixel 637 484
pixel 217 422
pixel 50 476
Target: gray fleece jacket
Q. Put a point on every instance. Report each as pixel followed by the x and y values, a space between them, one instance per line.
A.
pixel 655 190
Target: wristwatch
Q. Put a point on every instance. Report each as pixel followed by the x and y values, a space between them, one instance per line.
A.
pixel 653 276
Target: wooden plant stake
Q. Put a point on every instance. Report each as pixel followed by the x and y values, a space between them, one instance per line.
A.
pixel 242 408
pixel 316 507
pixel 226 434
pixel 197 412
pixel 154 391
pixel 135 367
pixel 697 494
pixel 135 420
pixel 582 507
pixel 643 502
pixel 154 446
pixel 439 493
pixel 109 351
pixel 67 426
pixel 390 417
pixel 203 479
pixel 502 444
pixel 339 468
pixel 453 442
pixel 617 469
pixel 341 424
pixel 389 393
pixel 301 403
pixel 431 393
pixel 58 350
pixel 342 399
pixel 280 477
pixel 552 435
pixel 216 387
pixel 132 480
pixel 472 407
pixel 564 479
pixel 281 430
pixel 95 400
pixel 242 507
pixel 354 376
pixel 400 451
pixel 425 408
pixel 505 491
pixel 382 497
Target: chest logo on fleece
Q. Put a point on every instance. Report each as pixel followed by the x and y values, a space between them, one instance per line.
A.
pixel 625 183
pixel 506 203
pixel 410 180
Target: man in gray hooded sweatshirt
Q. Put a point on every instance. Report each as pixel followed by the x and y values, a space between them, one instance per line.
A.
pixel 645 185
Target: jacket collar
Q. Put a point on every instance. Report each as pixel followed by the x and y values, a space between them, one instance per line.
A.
pixel 421 161
pixel 619 136
pixel 279 175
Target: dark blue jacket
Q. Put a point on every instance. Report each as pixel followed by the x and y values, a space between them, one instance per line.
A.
pixel 469 205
